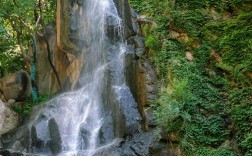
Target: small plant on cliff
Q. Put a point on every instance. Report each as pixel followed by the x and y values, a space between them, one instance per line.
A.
pixel 152 42
pixel 24 108
pixel 170 113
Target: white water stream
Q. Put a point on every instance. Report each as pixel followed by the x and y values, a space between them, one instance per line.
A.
pixel 79 114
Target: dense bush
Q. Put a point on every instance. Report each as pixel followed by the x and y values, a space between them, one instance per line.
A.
pixel 206 100
pixel 10 58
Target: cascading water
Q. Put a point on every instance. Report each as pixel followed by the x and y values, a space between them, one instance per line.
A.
pixel 76 117
pixel 70 123
pixel 88 121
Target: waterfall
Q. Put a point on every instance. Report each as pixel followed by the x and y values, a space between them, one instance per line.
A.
pixel 76 117
pixel 92 119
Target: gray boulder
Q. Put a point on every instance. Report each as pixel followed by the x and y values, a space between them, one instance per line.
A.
pixel 8 118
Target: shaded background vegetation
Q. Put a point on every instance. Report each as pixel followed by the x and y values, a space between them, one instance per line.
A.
pixel 18 20
pixel 205 99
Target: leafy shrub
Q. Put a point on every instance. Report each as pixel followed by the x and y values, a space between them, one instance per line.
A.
pixel 171 103
pixel 152 42
pixel 10 62
pixel 246 144
pixel 23 109
pixel 204 151
pixel 210 131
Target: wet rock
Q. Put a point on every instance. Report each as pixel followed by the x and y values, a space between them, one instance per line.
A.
pixel 9 119
pixel 150 117
pixel 140 52
pixel 128 107
pixel 106 131
pixel 141 78
pixel 16 85
pixel 135 25
pixel 134 14
pixel 139 145
pixel 124 12
pixel 159 149
pixel 36 143
pixel 139 42
pixel 10 153
pixel 85 134
pixel 17 140
pixel 12 136
pixel 55 142
pixel 17 146
pixel 111 149
pixel 1 142
pixel 80 2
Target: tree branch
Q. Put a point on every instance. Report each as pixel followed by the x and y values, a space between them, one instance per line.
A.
pixel 22 49
pixel 37 22
pixel 19 40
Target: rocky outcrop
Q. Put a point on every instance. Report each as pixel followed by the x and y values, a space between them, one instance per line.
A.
pixel 143 144
pixel 16 86
pixel 141 77
pixel 55 143
pixel 123 9
pixel 10 153
pixel 9 119
pixel 46 81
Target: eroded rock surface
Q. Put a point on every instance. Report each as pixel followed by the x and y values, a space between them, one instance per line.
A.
pixel 16 86
pixel 8 118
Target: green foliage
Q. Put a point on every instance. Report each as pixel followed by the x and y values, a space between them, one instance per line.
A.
pixel 24 109
pixel 198 97
pixel 170 114
pixel 151 42
pixel 45 97
pixel 18 21
pixel 242 115
pixel 246 144
pixel 204 151
pixel 208 131
pixel 10 62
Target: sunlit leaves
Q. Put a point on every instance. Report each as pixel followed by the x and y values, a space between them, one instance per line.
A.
pixel 18 21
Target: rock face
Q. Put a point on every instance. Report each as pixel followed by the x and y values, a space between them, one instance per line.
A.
pixel 8 118
pixel 141 77
pixel 16 86
pixel 124 11
pixel 67 65
pixel 9 153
